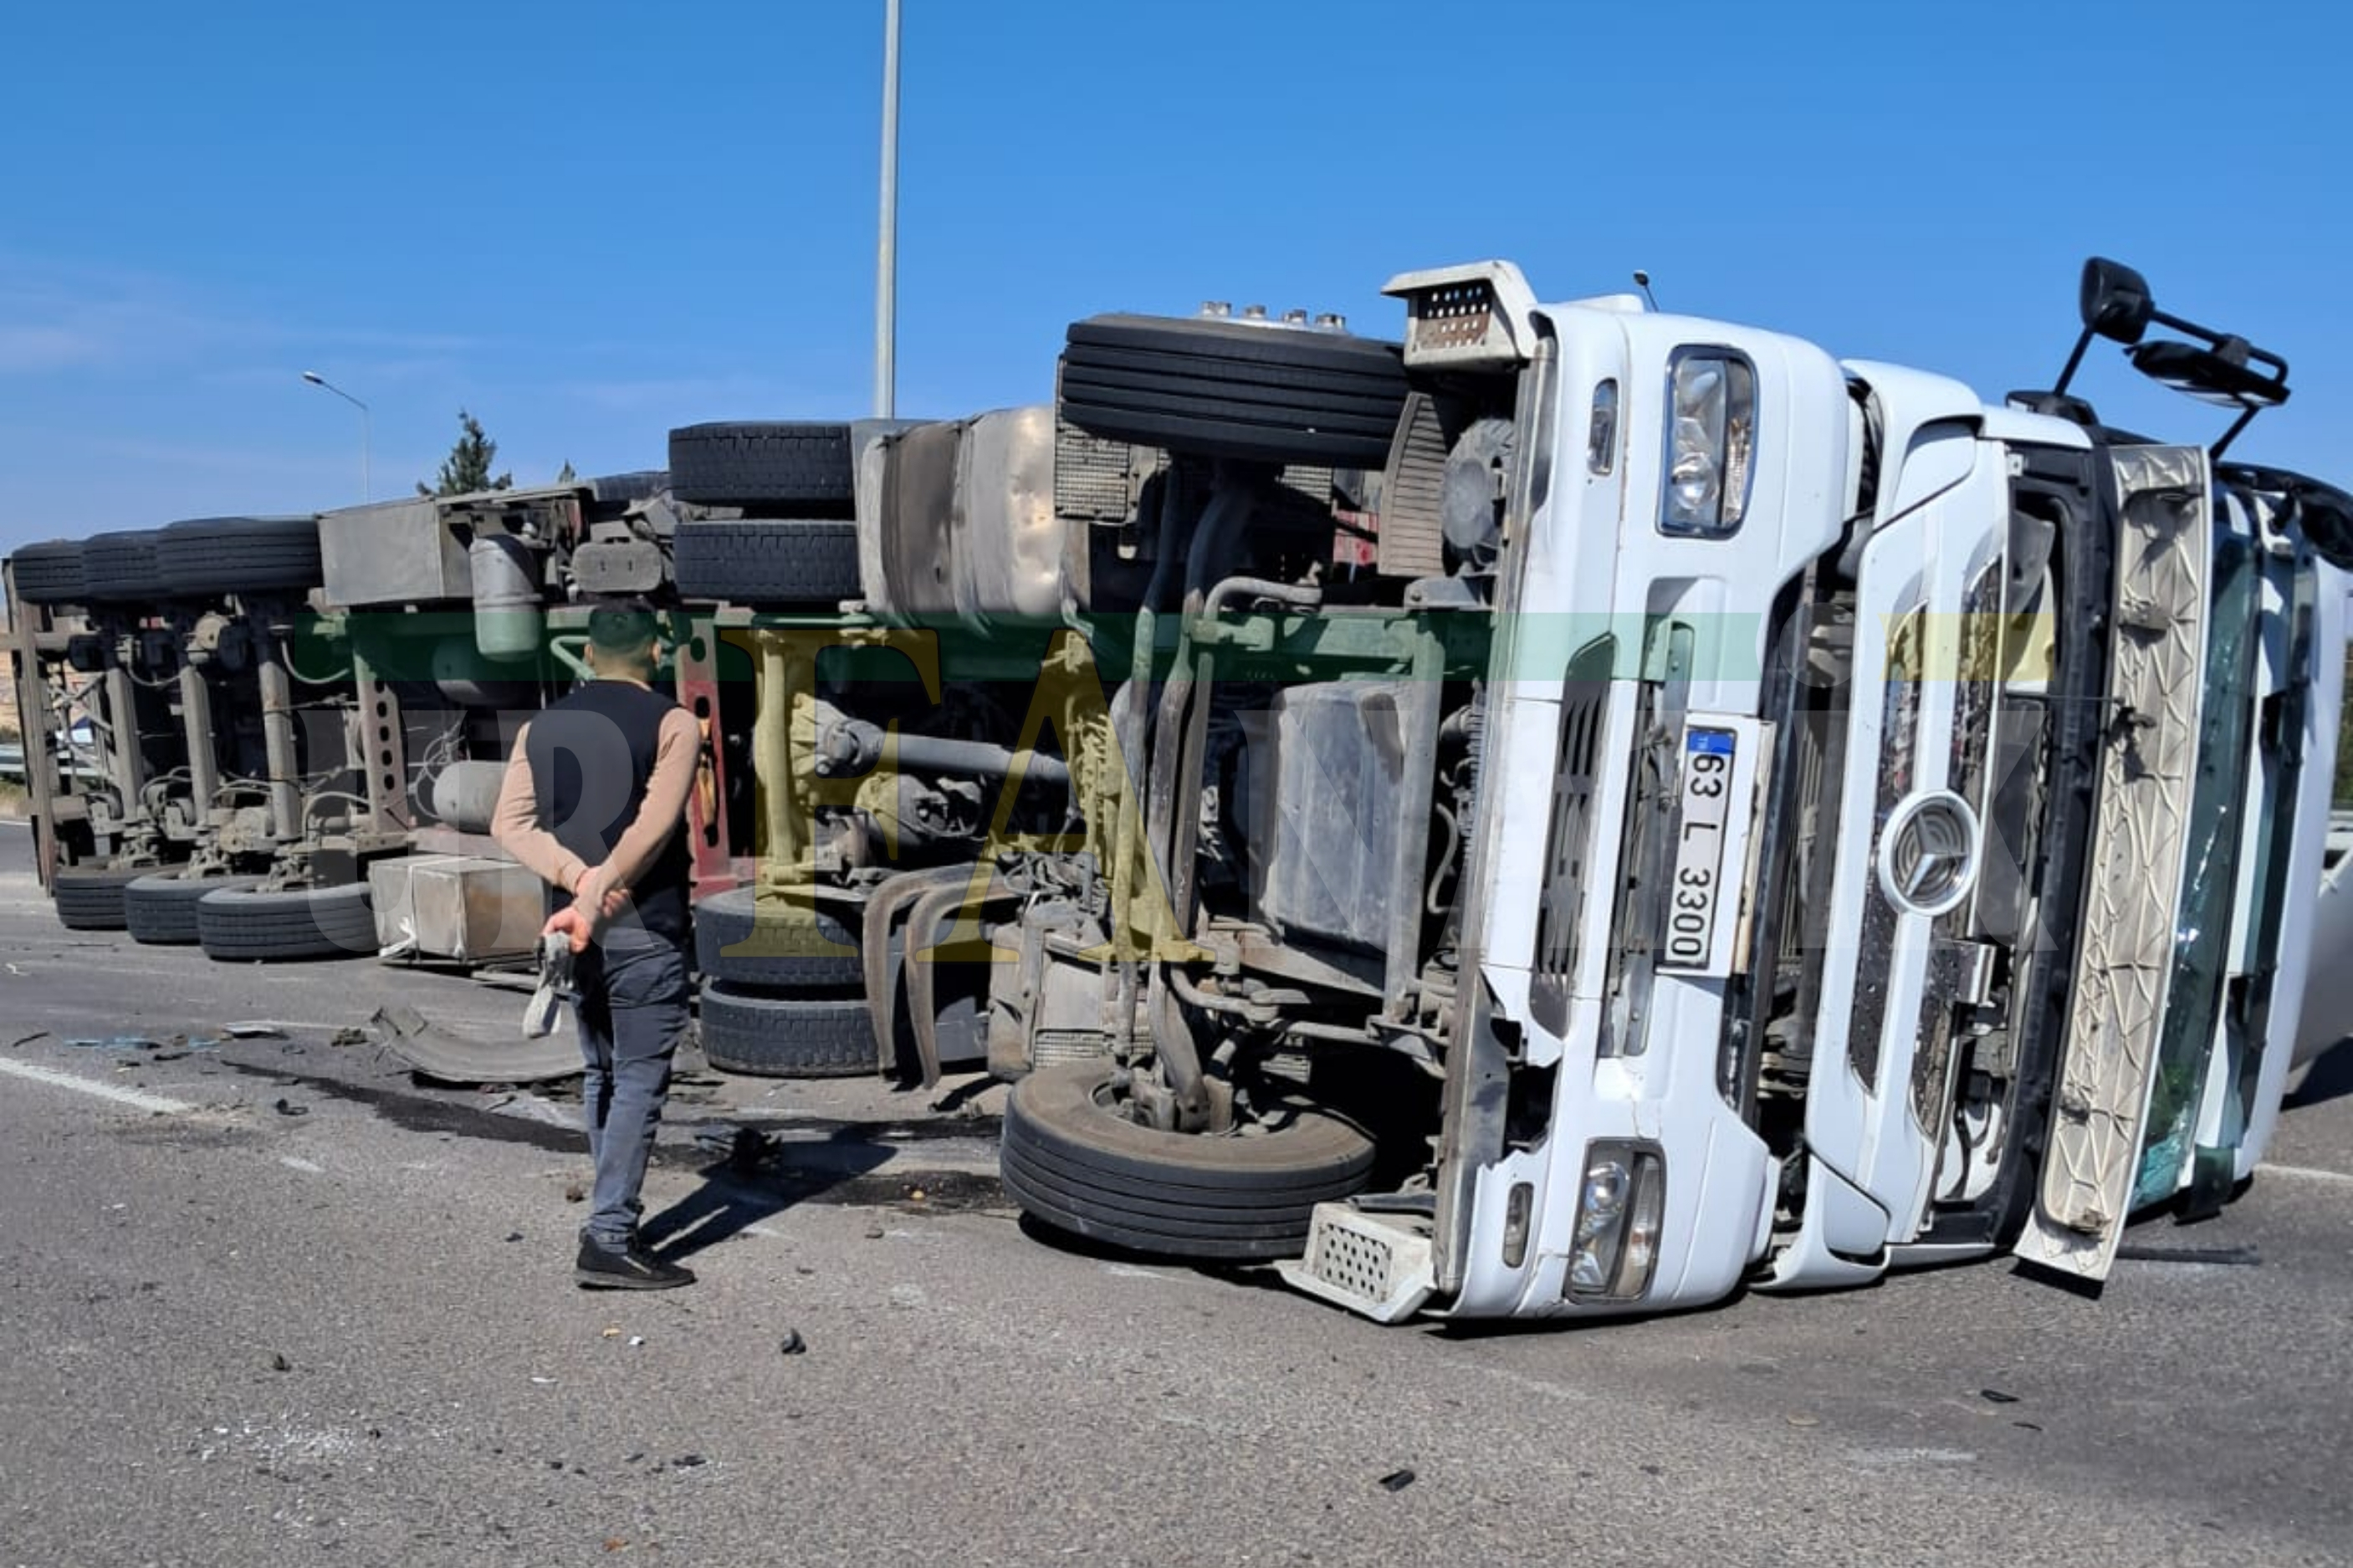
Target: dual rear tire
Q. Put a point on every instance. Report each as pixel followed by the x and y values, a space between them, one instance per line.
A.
pixel 783 993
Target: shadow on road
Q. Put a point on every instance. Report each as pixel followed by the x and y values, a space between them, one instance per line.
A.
pixel 756 1179
pixel 2330 1076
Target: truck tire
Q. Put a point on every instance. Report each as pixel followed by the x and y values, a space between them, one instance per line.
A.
pixel 1224 389
pixel 762 563
pixel 786 1036
pixel 121 566
pixel 786 956
pixel 89 897
pixel 240 554
pixel 1072 1163
pixel 621 489
pixel 160 909
pixel 797 467
pixel 240 923
pixel 48 572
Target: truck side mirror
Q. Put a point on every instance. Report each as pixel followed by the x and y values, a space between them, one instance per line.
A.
pixel 2114 300
pixel 2222 374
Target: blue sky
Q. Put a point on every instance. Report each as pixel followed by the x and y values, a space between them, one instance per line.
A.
pixel 589 222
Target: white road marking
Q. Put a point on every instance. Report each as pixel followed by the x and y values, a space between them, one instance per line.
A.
pixel 2305 1172
pixel 120 1096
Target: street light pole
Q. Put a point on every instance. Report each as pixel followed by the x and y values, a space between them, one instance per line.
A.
pixel 886 249
pixel 315 379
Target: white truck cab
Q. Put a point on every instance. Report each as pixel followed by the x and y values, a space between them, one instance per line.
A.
pixel 1592 809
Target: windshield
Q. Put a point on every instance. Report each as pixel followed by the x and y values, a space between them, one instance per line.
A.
pixel 2210 869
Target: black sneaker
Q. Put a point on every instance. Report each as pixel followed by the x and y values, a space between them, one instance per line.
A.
pixel 626 1268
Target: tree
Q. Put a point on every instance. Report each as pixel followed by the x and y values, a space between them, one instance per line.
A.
pixel 467 468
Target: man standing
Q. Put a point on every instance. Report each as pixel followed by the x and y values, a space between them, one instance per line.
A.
pixel 592 802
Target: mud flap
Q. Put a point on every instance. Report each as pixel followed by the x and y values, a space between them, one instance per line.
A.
pixel 2134 876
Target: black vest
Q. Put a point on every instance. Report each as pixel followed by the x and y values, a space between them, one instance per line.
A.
pixel 591 757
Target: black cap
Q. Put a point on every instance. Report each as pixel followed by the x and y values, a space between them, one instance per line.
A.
pixel 622 625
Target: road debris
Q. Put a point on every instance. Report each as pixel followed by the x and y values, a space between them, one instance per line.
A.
pixel 792 1343
pixel 28 1039
pixel 287 1107
pixel 1397 1480
pixel 278 1362
pixel 117 1043
pixel 1996 1396
pixel 689 1461
pixel 443 1056
pixel 253 1031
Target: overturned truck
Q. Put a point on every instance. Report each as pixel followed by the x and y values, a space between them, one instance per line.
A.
pixel 1569 815
pixel 277 738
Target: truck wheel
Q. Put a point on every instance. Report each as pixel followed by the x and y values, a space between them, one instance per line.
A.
pixel 48 572
pixel 240 554
pixel 121 565
pixel 1070 1160
pixel 161 909
pixel 240 923
pixel 765 465
pixel 760 564
pixel 786 1036
pixel 89 897
pixel 781 944
pixel 1224 389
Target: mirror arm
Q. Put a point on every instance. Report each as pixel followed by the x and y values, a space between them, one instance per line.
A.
pixel 2075 361
pixel 2245 418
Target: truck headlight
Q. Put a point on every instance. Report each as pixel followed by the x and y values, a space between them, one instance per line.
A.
pixel 1615 1248
pixel 1710 442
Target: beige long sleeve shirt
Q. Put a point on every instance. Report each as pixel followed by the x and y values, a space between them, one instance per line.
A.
pixel 516 827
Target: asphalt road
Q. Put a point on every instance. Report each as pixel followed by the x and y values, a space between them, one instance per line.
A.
pixel 237 1335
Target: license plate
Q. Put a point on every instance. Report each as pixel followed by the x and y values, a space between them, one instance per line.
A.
pixel 1710 759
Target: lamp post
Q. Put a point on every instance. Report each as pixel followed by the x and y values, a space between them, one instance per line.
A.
pixel 315 379
pixel 886 248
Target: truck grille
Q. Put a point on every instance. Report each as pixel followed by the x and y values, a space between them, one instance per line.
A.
pixel 1568 842
pixel 1900 710
pixel 1973 706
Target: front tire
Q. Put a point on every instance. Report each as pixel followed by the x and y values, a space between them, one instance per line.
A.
pixel 1073 1162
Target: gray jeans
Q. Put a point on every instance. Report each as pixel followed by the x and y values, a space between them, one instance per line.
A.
pixel 633 998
